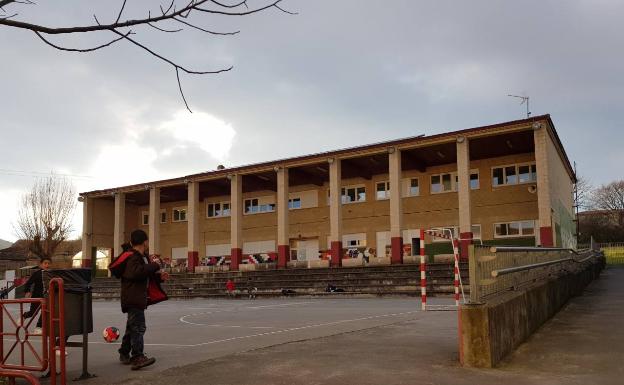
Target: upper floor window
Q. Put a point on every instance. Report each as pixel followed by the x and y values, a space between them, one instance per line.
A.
pixel 255 206
pixel 413 188
pixel 294 203
pixel 383 190
pixel 218 209
pixel 353 194
pixel 179 214
pixel 441 183
pixel 514 174
pixel 145 217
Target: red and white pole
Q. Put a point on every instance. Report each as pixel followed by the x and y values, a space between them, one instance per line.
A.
pixel 456 281
pixel 423 275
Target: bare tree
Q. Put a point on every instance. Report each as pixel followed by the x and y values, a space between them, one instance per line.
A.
pixel 167 19
pixel 45 214
pixel 583 191
pixel 609 197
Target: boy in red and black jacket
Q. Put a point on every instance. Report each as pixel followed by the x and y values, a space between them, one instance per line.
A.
pixel 140 287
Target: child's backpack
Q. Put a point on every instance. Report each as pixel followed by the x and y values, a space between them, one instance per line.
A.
pixel 118 265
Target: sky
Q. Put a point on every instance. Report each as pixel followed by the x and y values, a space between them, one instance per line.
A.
pixel 337 74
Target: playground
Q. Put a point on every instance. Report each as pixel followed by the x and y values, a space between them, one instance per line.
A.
pixel 190 331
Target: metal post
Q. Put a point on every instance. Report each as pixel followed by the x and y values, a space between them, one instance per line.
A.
pixel 85 339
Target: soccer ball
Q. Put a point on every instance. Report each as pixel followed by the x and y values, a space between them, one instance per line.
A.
pixel 110 334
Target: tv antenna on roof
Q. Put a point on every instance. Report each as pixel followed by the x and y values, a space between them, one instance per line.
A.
pixel 524 99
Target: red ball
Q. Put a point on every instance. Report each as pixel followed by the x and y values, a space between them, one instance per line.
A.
pixel 110 334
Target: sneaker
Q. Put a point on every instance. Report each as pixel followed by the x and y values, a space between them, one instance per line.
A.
pixel 142 361
pixel 37 332
pixel 124 359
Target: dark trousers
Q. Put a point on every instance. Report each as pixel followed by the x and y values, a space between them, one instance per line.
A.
pixel 33 309
pixel 132 341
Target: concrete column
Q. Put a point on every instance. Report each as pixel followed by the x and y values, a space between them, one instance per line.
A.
pixel 87 232
pixel 120 221
pixel 154 221
pixel 283 234
pixel 193 217
pixel 463 195
pixel 236 221
pixel 396 207
pixel 335 212
pixel 540 137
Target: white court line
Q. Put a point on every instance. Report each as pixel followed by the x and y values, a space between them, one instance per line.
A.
pixel 273 332
pixel 183 318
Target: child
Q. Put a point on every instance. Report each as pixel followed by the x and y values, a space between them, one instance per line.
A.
pixel 34 289
pixel 230 287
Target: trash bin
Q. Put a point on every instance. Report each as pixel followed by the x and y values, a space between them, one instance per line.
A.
pixel 78 300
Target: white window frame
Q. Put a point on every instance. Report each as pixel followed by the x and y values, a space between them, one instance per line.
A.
pixel 145 215
pixel 409 187
pixel 220 211
pixel 179 210
pixel 480 237
pixel 261 209
pixel 532 175
pixel 386 190
pixel 520 229
pixel 453 182
pixel 471 173
pixel 291 203
pixel 344 194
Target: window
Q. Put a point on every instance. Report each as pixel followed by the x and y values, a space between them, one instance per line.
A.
pixel 383 190
pixel 353 194
pixel 514 174
pixel 413 190
pixel 474 180
pixel 145 217
pixel 255 206
pixel 514 229
pixel 218 209
pixel 179 214
pixel 476 231
pixel 443 183
pixel 294 203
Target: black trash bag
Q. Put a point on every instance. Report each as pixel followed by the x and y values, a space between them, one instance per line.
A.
pixel 77 285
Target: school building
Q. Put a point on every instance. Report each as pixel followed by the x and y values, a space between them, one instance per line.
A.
pixel 508 183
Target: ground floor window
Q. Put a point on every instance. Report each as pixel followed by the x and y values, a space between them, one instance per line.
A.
pixel 514 229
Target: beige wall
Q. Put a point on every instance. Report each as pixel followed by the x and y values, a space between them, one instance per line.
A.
pixel 489 205
pixel 561 198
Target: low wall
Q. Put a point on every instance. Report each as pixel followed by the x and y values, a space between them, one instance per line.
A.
pixel 491 331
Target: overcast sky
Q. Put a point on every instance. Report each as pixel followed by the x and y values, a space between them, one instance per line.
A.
pixel 340 73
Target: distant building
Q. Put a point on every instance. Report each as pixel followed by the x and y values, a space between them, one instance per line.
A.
pixel 507 183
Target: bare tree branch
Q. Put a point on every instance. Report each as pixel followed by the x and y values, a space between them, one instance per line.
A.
pixel 205 30
pixel 171 13
pixel 80 49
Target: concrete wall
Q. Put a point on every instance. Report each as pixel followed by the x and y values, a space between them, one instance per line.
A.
pixel 491 331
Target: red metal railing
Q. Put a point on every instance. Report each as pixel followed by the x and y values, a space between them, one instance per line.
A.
pixel 57 320
pixel 13 374
pixel 23 335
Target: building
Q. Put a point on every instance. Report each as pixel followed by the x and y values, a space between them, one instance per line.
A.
pixel 506 183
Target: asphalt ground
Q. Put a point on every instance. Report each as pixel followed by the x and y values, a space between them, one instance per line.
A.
pixel 183 332
pixel 343 341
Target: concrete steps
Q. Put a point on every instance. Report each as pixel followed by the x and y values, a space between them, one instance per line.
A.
pixel 379 280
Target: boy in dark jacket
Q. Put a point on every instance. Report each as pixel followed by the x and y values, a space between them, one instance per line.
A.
pixel 33 288
pixel 140 287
